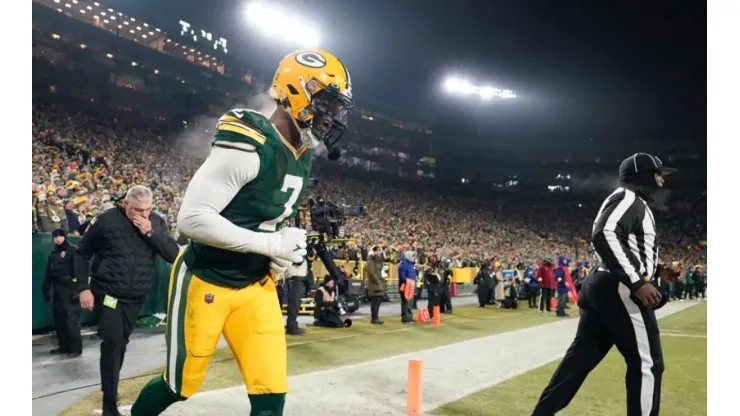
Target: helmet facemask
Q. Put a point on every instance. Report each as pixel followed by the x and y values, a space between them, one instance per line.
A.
pixel 325 118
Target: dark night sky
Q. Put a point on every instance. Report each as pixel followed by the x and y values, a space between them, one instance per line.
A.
pixel 615 70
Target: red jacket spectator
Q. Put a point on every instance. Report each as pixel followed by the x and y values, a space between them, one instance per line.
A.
pixel 546 272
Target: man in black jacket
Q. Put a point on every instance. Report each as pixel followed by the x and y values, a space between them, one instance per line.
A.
pixel 445 300
pixel 485 285
pixel 297 286
pixel 699 283
pixel 125 242
pixel 434 292
pixel 59 279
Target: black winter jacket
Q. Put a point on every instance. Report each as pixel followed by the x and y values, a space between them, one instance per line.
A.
pixel 123 265
pixel 59 269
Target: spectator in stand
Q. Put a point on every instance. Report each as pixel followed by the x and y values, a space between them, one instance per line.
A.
pixel 51 214
pixel 94 159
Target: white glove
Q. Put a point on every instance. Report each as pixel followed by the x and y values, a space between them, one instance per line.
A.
pixel 289 269
pixel 278 271
pixel 288 244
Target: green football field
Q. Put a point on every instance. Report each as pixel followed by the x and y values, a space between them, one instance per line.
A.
pixel 684 343
pixel 361 342
pixel 603 394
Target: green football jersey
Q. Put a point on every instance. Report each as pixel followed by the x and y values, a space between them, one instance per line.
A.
pixel 262 205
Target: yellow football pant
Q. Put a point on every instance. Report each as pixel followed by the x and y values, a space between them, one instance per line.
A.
pixel 250 319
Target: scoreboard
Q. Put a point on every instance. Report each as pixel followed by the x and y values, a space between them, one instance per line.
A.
pixel 200 35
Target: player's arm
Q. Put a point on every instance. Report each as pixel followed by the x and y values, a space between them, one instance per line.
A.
pixel 234 162
pixel 226 170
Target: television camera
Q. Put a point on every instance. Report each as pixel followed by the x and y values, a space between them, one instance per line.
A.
pixel 350 293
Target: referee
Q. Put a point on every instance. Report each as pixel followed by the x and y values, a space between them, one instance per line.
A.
pixel 115 264
pixel 617 302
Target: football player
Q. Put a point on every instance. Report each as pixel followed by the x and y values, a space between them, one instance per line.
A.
pixel 225 280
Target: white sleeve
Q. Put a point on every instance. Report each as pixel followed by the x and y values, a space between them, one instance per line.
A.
pixel 214 185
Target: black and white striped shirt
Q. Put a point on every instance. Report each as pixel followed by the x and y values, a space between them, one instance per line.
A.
pixel 624 237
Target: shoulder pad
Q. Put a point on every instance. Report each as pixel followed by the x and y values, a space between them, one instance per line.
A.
pixel 241 127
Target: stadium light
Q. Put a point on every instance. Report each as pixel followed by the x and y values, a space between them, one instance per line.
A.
pixel 264 19
pixel 460 86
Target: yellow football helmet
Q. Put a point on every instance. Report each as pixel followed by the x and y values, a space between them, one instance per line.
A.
pixel 315 88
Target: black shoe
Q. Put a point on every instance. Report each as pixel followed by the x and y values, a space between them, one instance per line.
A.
pixel 448 312
pixel 295 331
pixel 111 411
pixel 57 351
pixel 74 354
pixel 376 322
pixel 562 315
pixel 407 321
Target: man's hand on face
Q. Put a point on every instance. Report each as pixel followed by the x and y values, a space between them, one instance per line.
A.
pixel 143 224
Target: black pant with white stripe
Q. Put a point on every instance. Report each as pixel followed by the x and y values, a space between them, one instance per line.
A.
pixel 610 317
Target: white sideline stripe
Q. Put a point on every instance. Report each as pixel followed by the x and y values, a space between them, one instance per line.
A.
pixel 681 334
pixel 378 387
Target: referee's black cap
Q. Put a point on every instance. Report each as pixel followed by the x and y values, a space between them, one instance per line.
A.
pixel 642 162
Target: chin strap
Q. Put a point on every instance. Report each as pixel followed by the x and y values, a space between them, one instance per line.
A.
pixel 307 137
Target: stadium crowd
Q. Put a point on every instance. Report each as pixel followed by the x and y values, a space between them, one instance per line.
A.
pixel 82 166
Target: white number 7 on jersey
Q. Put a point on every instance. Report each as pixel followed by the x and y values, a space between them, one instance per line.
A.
pixel 295 184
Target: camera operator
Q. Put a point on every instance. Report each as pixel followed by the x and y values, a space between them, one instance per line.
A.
pixel 327 312
pixel 322 217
